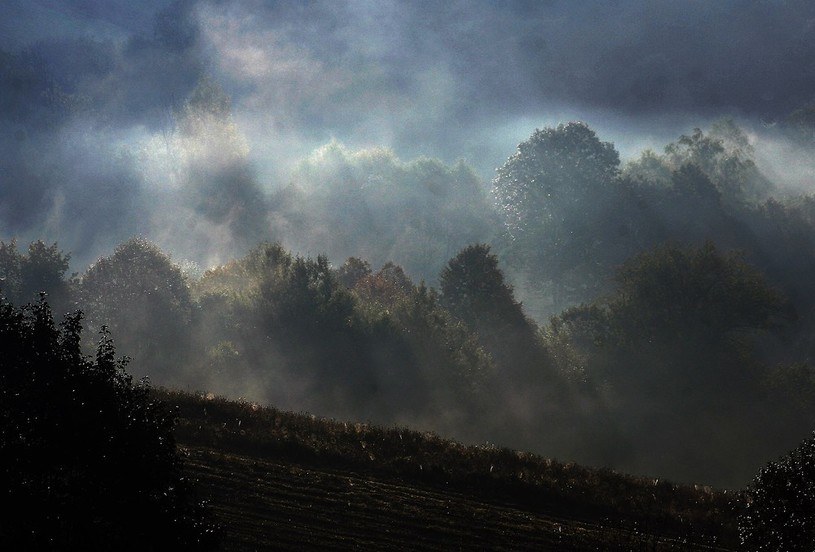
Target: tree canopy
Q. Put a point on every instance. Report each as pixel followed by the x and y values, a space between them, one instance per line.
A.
pixel 23 276
pixel 552 172
pixel 143 297
pixel 676 345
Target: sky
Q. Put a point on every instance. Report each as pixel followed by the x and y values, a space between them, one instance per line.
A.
pixel 90 152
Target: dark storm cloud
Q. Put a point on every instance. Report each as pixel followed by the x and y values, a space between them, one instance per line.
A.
pixel 125 67
pixel 632 56
pixel 506 59
pixel 453 78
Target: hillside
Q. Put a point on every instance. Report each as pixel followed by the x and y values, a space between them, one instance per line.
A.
pixel 279 480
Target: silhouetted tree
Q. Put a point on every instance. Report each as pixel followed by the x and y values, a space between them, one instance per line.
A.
pixel 383 349
pixel 552 172
pixel 474 290
pixel 89 459
pixel 525 384
pixel 779 511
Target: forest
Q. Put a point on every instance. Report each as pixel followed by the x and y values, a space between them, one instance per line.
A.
pixel 403 238
pixel 662 344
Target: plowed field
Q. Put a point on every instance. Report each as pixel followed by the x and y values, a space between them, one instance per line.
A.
pixel 265 504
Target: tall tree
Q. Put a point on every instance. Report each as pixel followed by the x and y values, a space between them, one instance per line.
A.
pixel 142 296
pixel 550 175
pixel 555 195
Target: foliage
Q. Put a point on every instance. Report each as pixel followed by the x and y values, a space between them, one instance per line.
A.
pixel 571 217
pixel 386 288
pixel 554 194
pixel 42 270
pixel 550 175
pixel 144 298
pixel 696 290
pixel 89 458
pixel 473 289
pixel 800 124
pixel 680 330
pixel 473 285
pixel 671 297
pixel 725 155
pixel 779 513
pixel 352 271
pixel 528 389
pixel 381 348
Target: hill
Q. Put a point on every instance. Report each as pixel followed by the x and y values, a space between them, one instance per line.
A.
pixel 281 480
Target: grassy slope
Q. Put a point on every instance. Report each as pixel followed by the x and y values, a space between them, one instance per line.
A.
pixel 280 480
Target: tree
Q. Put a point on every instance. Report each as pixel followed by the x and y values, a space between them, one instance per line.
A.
pixel 142 296
pixel 352 271
pixel 695 292
pixel 779 512
pixel 676 351
pixel 681 318
pixel 387 287
pixel 800 124
pixel 725 155
pixel 550 174
pixel 473 289
pixel 89 459
pixel 10 271
pixel 558 196
pixel 369 203
pixel 42 270
pixel 383 349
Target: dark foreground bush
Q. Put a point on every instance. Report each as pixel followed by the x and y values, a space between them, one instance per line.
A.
pixel 780 508
pixel 88 458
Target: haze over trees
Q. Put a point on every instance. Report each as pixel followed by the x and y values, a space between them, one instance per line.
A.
pixel 590 301
pixel 321 206
pixel 653 316
pixel 370 204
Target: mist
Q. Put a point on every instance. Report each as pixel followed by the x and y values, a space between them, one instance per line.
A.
pixel 382 136
pixel 463 81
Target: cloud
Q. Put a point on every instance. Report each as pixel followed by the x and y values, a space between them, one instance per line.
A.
pixel 450 80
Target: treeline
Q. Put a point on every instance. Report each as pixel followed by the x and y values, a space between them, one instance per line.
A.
pixel 671 358
pixel 346 342
pixel 677 286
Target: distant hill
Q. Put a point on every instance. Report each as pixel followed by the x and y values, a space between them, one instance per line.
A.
pixel 280 480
